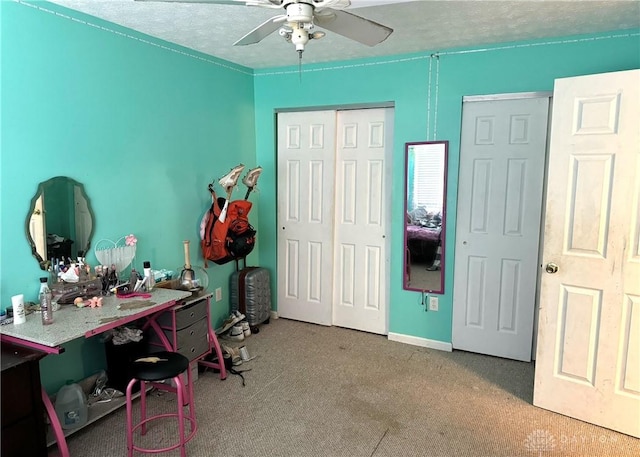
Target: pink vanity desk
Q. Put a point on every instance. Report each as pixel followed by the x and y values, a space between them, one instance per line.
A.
pixel 71 322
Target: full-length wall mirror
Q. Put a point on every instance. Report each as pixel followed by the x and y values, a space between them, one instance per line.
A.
pixel 425 196
pixel 59 224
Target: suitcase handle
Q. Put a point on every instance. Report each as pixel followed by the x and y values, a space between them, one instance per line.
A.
pixel 244 263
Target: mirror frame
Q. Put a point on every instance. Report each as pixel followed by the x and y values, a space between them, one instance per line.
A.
pixel 443 230
pixel 41 187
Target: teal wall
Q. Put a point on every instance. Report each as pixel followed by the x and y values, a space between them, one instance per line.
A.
pixel 427 92
pixel 144 127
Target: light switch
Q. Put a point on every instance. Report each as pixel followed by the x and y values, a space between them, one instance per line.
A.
pixel 433 303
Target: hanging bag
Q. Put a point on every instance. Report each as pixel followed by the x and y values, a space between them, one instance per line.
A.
pixel 228 239
pixel 241 236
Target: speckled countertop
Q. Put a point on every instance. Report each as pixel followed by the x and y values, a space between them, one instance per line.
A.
pixel 70 322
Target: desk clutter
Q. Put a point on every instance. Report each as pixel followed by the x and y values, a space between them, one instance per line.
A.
pixel 171 319
pixel 185 329
pixel 155 326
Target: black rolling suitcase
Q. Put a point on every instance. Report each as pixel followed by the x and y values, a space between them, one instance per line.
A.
pixel 250 293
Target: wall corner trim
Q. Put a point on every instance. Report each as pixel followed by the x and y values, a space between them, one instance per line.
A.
pixel 422 342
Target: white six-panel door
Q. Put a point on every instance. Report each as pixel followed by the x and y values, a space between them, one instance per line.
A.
pixel 333 204
pixel 306 164
pixel 588 348
pixel 360 253
pixel 500 192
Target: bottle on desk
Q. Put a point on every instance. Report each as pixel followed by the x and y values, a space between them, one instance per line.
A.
pixel 148 274
pixel 19 316
pixel 46 305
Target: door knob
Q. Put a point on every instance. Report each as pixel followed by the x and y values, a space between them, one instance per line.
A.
pixel 551 267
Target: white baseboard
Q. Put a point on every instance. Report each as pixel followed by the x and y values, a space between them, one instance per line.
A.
pixel 274 315
pixel 422 342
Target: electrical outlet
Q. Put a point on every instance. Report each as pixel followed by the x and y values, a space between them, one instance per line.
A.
pixel 433 303
pixel 219 294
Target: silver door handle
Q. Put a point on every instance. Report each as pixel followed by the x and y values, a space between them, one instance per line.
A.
pixel 551 268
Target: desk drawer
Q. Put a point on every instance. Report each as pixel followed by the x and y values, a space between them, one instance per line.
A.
pixel 193 341
pixel 185 316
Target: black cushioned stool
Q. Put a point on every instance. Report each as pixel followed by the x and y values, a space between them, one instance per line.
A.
pixel 153 368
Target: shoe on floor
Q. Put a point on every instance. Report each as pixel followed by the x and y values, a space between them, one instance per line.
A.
pixel 228 323
pixel 246 329
pixel 229 181
pixel 251 178
pixel 239 315
pixel 234 353
pixel 235 334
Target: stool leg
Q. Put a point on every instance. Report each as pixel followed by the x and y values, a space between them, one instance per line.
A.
pixel 130 418
pixel 143 406
pixel 180 392
pixel 192 409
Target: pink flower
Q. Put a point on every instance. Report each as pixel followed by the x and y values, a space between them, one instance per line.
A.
pixel 130 240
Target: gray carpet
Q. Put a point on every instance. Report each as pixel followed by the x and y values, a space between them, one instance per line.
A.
pixel 328 391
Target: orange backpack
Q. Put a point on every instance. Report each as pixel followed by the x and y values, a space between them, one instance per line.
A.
pixel 230 239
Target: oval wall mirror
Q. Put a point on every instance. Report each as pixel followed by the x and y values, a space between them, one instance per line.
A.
pixel 424 229
pixel 59 224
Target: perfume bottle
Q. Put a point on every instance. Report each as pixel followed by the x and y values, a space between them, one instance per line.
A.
pixel 148 274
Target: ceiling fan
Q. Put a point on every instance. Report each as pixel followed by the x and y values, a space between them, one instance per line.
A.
pixel 297 25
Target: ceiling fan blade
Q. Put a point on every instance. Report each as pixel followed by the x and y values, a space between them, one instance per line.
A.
pixel 267 3
pixel 217 2
pixel 335 4
pixel 262 31
pixel 352 26
pixel 367 3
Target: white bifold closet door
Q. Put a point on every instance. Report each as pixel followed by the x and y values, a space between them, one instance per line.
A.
pixel 333 215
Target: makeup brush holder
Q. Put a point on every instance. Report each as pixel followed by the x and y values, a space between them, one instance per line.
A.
pixel 66 292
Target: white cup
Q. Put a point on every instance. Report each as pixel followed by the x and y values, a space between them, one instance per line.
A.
pixel 19 316
pixel 244 354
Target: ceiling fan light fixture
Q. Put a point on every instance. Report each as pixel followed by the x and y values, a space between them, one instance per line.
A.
pixel 317 35
pixel 300 37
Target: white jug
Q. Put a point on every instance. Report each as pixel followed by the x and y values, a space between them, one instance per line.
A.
pixel 71 406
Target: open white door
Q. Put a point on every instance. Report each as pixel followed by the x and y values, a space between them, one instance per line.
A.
pixel 83 220
pixel 588 350
pixel 37 227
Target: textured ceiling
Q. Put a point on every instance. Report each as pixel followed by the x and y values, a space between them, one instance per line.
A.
pixel 426 25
